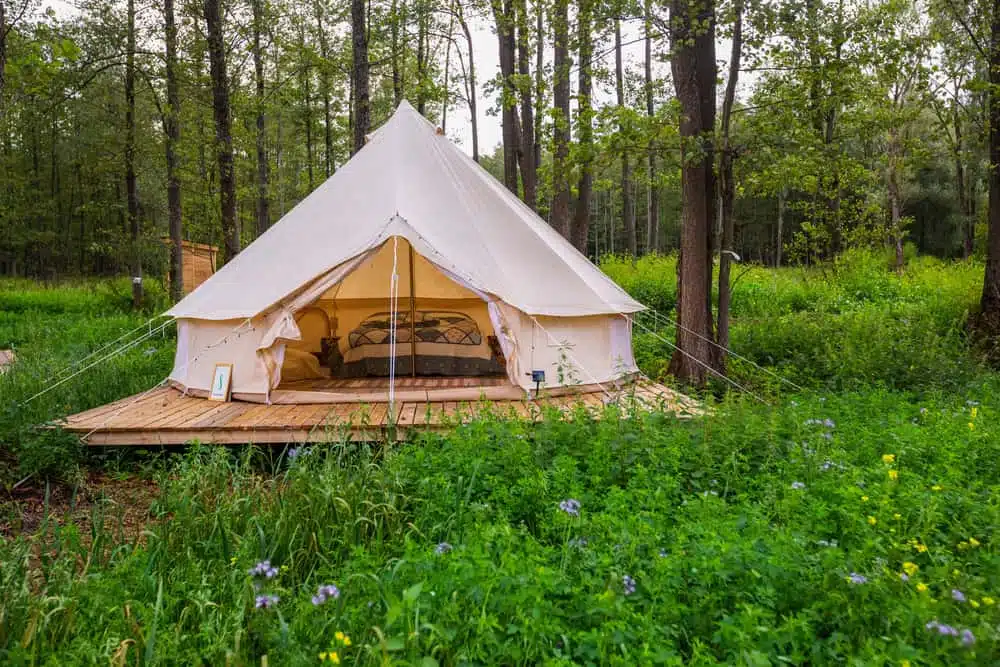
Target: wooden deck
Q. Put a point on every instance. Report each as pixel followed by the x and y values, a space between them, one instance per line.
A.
pixel 164 416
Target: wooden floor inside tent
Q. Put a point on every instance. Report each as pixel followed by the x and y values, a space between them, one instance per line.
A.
pixel 165 416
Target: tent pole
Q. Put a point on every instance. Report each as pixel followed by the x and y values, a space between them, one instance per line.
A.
pixel 413 318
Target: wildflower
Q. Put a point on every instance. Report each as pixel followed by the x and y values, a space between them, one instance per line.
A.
pixel 798 485
pixel 294 452
pixel 265 601
pixel 897 516
pixel 342 638
pixel 628 584
pixel 442 548
pixel 972 403
pixel 904 663
pixel 579 542
pixel 857 579
pixel 827 543
pixel 957 595
pixel 936 488
pixel 663 553
pixel 974 604
pixel 974 412
pixel 968 639
pixel 973 542
pixel 872 520
pixel 324 593
pixel 921 587
pixel 894 475
pixel 864 499
pixel 888 459
pixel 910 568
pixel 829 423
pixel 988 601
pixel 331 656
pixel 904 576
pixel 963 545
pixel 570 506
pixel 264 569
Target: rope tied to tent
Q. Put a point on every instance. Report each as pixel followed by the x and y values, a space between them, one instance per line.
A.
pixel 393 323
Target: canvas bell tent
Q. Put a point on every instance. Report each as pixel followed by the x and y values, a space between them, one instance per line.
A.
pixel 411 260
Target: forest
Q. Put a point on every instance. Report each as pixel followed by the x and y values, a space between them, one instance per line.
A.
pixel 803 193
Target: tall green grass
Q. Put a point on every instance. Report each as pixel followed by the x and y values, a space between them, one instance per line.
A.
pixel 762 534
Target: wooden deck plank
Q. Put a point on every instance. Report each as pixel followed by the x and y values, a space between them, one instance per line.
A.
pixel 165 416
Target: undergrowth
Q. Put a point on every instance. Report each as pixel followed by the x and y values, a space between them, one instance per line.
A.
pixel 852 521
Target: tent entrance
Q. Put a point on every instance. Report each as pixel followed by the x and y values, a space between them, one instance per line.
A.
pixel 437 334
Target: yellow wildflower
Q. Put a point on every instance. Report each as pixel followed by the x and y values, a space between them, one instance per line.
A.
pixel 910 568
pixel 339 636
pixel 897 516
pixel 988 601
pixel 864 499
pixel 921 548
pixel 872 520
pixel 973 604
pixel 936 487
pixel 904 663
pixel 973 542
pixel 974 412
pixel 888 458
pixel 921 587
pixel 972 426
pixel 963 545
pixel 893 475
pixel 347 641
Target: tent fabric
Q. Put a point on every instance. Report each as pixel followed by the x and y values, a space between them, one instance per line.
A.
pixel 411 182
pixel 409 201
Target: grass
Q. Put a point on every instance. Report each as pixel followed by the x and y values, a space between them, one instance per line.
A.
pixel 764 534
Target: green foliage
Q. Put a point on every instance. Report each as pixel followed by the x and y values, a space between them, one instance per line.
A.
pixel 740 532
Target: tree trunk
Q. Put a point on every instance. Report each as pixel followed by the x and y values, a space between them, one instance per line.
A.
pixel 529 170
pixel 305 78
pixel 131 196
pixel 895 203
pixel 447 72
pixel 961 188
pixel 324 84
pixel 503 14
pixel 782 194
pixel 223 132
pixel 359 70
pixel 693 68
pixel 652 192
pixel 172 130
pixel 539 86
pixel 990 303
pixel 471 94
pixel 628 206
pixel 263 209
pixel 3 55
pixel 422 48
pixel 560 127
pixel 727 184
pixel 397 78
pixel 585 130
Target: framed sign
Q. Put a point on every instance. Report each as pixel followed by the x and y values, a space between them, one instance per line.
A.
pixel 222 382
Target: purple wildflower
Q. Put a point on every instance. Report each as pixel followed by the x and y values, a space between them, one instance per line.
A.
pixel 294 452
pixel 324 593
pixel 579 542
pixel 663 553
pixel 904 576
pixel 266 601
pixel 442 548
pixel 628 584
pixel 798 485
pixel 957 595
pixel 941 628
pixel 570 506
pixel 264 569
pixel 857 579
pixel 968 639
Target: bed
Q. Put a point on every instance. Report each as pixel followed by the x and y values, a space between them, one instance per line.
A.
pixel 447 343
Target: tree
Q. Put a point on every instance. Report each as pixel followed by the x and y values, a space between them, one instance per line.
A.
pixel 263 208
pixel 223 132
pixel 503 14
pixel 359 74
pixel 580 230
pixel 528 159
pixel 652 193
pixel 628 206
pixel 560 118
pixel 172 132
pixel 131 193
pixel 692 64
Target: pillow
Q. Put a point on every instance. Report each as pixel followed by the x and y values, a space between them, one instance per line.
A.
pixel 301 365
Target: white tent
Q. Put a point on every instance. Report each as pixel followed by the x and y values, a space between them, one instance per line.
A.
pixel 409 233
